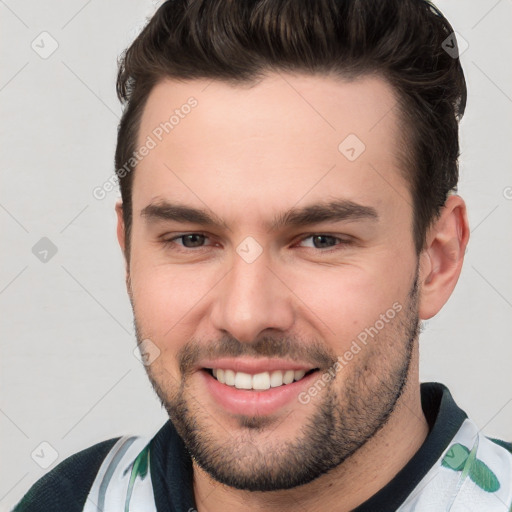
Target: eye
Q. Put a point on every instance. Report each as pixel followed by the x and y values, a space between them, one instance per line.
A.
pixel 323 241
pixel 192 240
pixel 188 241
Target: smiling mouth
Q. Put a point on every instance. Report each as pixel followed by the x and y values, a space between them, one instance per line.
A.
pixel 259 381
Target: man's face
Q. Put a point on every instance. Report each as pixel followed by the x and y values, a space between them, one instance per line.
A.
pixel 265 293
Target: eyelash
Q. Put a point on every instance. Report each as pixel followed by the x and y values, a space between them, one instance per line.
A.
pixel 171 241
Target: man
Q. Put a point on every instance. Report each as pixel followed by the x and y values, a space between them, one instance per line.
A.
pixel 288 217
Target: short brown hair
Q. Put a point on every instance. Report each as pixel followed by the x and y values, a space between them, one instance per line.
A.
pixel 240 41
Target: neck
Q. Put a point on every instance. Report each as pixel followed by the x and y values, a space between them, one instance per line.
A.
pixel 358 478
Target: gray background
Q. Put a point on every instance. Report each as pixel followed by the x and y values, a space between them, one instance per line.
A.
pixel 68 374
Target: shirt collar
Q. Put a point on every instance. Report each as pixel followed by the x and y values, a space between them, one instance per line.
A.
pixel 172 473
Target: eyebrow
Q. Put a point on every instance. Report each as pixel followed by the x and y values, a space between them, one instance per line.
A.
pixel 332 211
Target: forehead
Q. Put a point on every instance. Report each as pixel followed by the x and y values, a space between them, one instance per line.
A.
pixel 281 138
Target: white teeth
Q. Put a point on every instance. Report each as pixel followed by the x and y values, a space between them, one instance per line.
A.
pixel 259 381
pixel 243 380
pixel 229 376
pixel 288 376
pixel 276 379
pixel 298 374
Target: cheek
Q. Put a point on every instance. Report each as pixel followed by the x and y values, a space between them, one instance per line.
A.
pixel 166 297
pixel 342 302
pixel 164 303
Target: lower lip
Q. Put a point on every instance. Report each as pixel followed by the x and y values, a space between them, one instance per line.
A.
pixel 252 402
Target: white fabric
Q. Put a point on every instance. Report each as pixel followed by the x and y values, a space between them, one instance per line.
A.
pixel 109 491
pixel 441 489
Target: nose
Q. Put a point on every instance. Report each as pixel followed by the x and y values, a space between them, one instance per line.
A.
pixel 252 298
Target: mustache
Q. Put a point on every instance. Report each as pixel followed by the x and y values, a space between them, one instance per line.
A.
pixel 293 349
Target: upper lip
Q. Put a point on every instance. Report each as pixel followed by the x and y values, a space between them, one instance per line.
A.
pixel 254 366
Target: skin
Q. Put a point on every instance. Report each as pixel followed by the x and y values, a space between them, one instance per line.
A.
pixel 248 154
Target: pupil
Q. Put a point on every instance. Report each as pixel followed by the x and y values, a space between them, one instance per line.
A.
pixel 196 240
pixel 322 239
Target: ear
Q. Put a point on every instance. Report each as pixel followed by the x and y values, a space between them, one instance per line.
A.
pixel 122 243
pixel 441 259
pixel 120 229
pixel 120 224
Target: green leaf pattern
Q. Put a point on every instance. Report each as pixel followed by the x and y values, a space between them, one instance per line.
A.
pixel 140 469
pixel 458 458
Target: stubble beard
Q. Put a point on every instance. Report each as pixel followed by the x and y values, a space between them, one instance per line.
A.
pixel 343 419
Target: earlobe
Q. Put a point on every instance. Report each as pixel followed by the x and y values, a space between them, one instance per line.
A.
pixel 443 255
